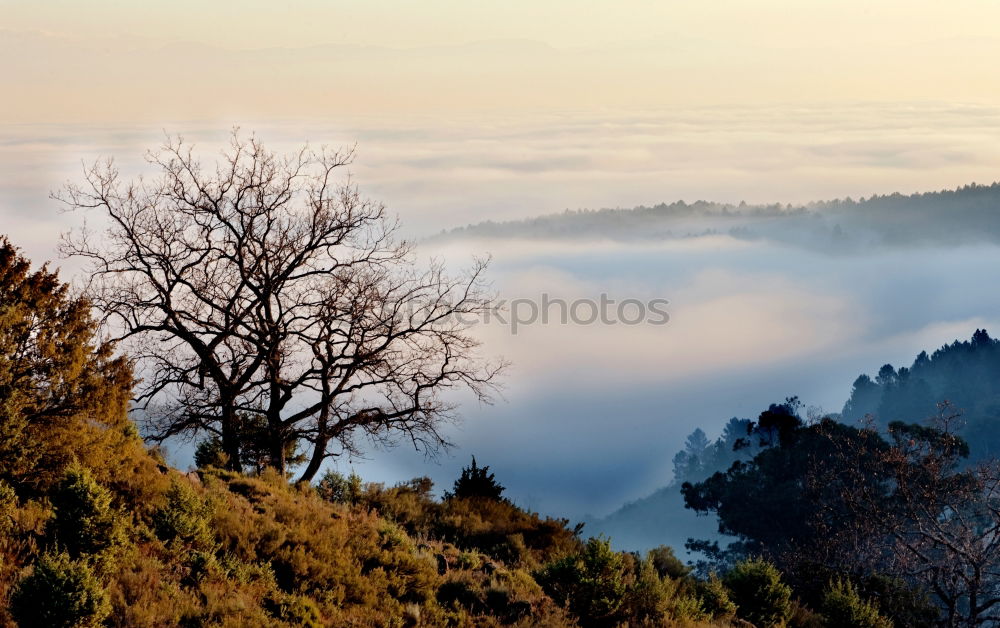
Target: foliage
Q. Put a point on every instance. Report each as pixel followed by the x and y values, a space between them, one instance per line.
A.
pixel 901 603
pixel 63 396
pixel 963 372
pixel 497 528
pixel 667 564
pixel 760 596
pixel 591 584
pixel 294 609
pixel 476 482
pixel 210 453
pixel 85 522
pixel 843 607
pixel 601 587
pixel 59 592
pixel 715 598
pixel 8 507
pixel 185 517
pixel 334 487
pixel 107 532
pixel 254 447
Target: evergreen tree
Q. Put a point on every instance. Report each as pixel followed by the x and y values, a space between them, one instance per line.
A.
pixel 63 396
pixel 60 593
pixel 476 481
pixel 85 522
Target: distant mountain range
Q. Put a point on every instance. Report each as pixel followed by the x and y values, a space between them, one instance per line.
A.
pixel 966 215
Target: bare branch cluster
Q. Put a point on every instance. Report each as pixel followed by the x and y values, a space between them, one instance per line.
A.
pixel 270 288
pixel 929 516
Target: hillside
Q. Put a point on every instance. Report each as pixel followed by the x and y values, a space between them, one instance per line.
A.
pixel 96 530
pixel 657 519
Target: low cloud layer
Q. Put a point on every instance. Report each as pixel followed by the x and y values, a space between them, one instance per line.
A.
pixel 592 415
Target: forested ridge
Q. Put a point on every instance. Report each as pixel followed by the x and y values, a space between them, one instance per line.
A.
pixel 964 215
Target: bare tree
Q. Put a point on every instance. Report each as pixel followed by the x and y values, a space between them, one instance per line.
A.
pixel 269 288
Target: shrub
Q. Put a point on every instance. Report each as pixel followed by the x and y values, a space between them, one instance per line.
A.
pixel 334 487
pixel 591 584
pixel 684 606
pixel 648 597
pixel 760 596
pixel 902 604
pixel 85 522
pixel 8 504
pixel 294 609
pixel 210 454
pixel 476 482
pixel 185 517
pixel 63 394
pixel 461 592
pixel 469 560
pixel 804 617
pixel 715 598
pixel 666 563
pixel 504 532
pixel 59 592
pixel 843 607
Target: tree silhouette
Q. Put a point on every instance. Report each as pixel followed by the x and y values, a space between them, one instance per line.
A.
pixel 264 286
pixel 476 481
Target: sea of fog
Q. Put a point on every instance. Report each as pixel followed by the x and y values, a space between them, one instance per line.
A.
pixel 591 415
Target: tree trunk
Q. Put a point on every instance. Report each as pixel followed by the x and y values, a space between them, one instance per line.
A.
pixel 231 438
pixel 318 455
pixel 277 454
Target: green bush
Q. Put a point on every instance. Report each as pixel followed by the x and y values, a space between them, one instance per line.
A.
pixel 209 454
pixel 666 562
pixel 899 602
pixel 476 482
pixel 591 584
pixel 715 598
pixel 334 487
pixel 59 592
pixel 85 522
pixel 843 607
pixel 760 596
pixel 649 595
pixel 185 517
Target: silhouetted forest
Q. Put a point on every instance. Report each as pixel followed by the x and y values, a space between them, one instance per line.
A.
pixel 964 215
pixel 963 373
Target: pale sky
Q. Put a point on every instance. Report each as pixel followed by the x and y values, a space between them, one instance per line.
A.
pixel 160 61
pixel 560 23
